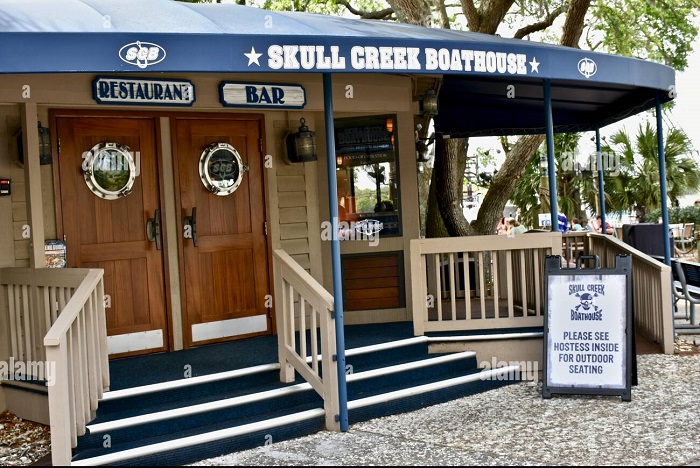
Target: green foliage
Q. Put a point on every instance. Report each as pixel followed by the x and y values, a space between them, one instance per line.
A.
pixel 576 188
pixel 526 195
pixel 678 215
pixel 636 187
pixel 658 30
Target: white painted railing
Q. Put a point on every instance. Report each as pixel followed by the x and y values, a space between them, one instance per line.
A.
pixel 33 298
pixel 651 287
pixel 57 316
pixel 77 343
pixel 303 304
pixel 501 280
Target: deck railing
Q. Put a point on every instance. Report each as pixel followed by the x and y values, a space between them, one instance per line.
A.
pixel 57 317
pixel 651 283
pixel 498 285
pixel 305 310
pixel 501 279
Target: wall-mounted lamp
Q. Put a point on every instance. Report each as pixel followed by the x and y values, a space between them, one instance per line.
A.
pixel 301 146
pixel 429 104
pixel 44 146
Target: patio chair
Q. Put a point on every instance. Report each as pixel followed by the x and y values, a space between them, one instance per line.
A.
pixel 689 277
pixel 678 293
pixel 684 238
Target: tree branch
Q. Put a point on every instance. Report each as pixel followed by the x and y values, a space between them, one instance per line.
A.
pixel 381 14
pixel 573 26
pixel 472 15
pixel 541 25
pixel 442 13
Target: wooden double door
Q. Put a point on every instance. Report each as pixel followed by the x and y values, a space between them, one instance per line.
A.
pixel 221 249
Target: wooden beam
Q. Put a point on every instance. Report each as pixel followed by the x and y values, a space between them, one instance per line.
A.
pixel 32 177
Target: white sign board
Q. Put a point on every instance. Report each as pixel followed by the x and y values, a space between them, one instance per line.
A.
pixel 586 340
pixel 545 219
pixel 262 95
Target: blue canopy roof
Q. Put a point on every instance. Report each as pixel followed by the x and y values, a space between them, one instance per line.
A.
pixel 492 85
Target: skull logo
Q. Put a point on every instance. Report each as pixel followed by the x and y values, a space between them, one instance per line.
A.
pixel 586 301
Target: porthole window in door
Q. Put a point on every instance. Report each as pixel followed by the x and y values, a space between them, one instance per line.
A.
pixel 109 170
pixel 221 168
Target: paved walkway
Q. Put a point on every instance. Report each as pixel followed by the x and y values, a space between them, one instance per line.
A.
pixel 514 425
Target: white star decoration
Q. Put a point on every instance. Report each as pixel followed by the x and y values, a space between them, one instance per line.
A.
pixel 534 65
pixel 253 57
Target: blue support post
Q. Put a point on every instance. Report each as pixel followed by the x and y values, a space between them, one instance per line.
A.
pixel 662 179
pixel 335 251
pixel 601 183
pixel 551 168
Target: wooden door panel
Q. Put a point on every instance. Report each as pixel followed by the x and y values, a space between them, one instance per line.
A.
pixel 111 234
pixel 226 275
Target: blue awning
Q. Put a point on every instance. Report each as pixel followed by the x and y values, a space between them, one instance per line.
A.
pixel 492 85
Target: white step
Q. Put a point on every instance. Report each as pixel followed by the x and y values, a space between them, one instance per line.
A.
pixel 199 439
pixel 486 337
pixel 386 397
pixel 181 383
pixel 364 375
pixel 196 409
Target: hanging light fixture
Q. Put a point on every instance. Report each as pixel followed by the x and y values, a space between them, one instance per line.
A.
pixel 301 146
pixel 429 104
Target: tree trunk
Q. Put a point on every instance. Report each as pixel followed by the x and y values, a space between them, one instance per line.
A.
pixel 518 158
pixel 503 183
pixel 448 176
pixel 412 11
pixel 434 226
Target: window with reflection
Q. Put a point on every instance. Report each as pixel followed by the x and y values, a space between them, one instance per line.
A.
pixel 367 172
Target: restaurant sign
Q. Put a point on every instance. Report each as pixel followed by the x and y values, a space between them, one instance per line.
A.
pixel 143 92
pixel 261 95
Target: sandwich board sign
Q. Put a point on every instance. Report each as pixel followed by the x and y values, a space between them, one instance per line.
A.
pixel 588 329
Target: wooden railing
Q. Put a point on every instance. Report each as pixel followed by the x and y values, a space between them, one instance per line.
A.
pixel 501 279
pixel 57 316
pixel 651 283
pixel 574 244
pixel 299 294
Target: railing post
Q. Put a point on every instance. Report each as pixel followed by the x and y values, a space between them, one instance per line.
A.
pixel 102 324
pixel 281 302
pixel 59 406
pixel 419 288
pixel 331 399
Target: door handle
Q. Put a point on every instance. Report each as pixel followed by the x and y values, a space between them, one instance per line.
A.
pixel 191 221
pixel 153 229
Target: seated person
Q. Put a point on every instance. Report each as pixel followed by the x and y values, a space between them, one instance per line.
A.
pixel 516 227
pixel 596 223
pixel 576 225
pixel 502 226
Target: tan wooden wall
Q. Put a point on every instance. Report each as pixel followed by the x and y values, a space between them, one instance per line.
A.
pixel 297 194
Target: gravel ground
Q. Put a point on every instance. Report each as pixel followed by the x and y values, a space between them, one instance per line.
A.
pixel 507 426
pixel 22 442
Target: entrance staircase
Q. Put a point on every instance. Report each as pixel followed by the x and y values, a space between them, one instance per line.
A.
pixel 183 421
